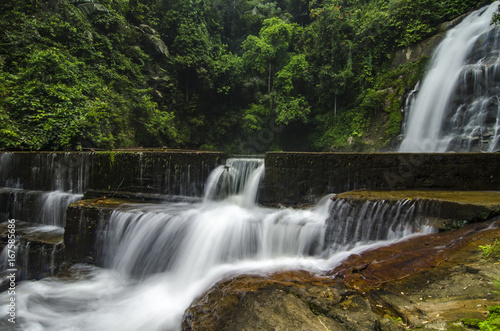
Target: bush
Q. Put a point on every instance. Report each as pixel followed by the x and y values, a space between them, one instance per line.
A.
pixel 492 250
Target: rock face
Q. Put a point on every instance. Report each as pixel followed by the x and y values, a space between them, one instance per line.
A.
pixel 151 172
pixel 284 301
pixel 290 178
pixel 167 173
pixel 80 234
pixel 426 47
pixel 429 282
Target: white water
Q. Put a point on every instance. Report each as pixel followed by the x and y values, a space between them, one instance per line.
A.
pixel 237 181
pixel 439 120
pixel 38 207
pixel 56 181
pixel 158 258
pixel 38 203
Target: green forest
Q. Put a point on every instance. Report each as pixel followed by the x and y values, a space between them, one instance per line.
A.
pixel 232 75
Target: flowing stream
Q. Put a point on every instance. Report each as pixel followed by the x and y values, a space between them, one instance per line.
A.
pixel 155 259
pixel 457 105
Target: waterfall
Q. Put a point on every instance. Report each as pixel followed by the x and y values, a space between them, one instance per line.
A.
pixel 56 180
pixel 35 192
pixel 387 220
pixel 457 106
pixel 238 180
pixel 155 259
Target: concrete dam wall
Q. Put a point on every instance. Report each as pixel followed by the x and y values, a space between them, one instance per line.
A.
pixel 290 178
pixel 294 178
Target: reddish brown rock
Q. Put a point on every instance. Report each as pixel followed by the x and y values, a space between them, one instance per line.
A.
pixel 428 282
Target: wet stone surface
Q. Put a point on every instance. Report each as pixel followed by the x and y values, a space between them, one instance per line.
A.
pixel 429 282
pixel 39 251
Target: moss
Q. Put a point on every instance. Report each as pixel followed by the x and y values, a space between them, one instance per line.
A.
pixel 451 225
pixel 111 158
pixel 317 310
pixel 471 322
pixel 492 323
pixel 395 120
pixel 482 198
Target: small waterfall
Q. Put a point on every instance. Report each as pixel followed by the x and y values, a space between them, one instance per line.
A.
pixel 457 106
pixel 56 180
pixel 38 207
pixel 35 252
pixel 35 191
pixel 351 223
pixel 189 241
pixel 237 180
pixel 156 258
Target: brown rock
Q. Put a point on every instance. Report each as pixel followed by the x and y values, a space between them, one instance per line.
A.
pixel 426 282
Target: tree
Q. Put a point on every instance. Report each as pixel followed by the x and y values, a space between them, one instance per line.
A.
pixel 291 105
pixel 268 51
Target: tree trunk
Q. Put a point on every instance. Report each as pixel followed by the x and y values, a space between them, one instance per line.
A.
pixel 269 80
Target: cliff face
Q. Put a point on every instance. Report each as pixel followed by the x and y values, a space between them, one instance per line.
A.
pixel 425 48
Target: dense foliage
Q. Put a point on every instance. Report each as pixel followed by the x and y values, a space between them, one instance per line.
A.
pixel 238 75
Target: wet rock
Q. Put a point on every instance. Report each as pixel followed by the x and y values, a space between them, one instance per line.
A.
pixel 153 172
pixel 429 282
pixel 298 178
pixel 82 224
pixel 39 251
pixel 167 172
pixel 284 301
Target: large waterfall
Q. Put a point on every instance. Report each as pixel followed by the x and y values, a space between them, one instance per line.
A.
pixel 457 106
pixel 157 258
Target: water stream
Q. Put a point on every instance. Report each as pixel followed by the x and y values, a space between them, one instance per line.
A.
pixel 457 105
pixel 157 258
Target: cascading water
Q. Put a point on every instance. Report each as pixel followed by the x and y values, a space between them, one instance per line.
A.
pixel 238 180
pixel 38 206
pixel 457 106
pixel 56 181
pixel 156 258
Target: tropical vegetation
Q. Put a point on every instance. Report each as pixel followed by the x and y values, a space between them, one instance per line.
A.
pixel 234 75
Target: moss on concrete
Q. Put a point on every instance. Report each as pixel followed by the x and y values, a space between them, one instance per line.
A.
pixel 445 210
pixel 482 198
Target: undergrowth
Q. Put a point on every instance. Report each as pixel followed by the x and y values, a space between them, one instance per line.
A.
pixel 492 322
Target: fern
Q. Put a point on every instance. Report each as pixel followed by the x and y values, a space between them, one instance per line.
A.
pixel 157 44
pixel 492 250
pixel 151 38
pixel 91 8
pixel 77 2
